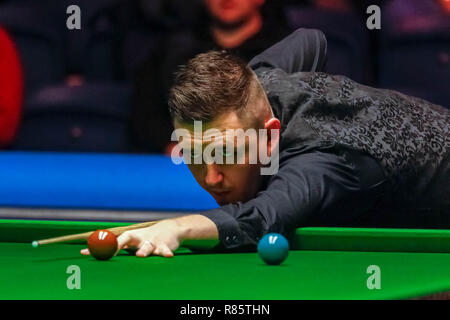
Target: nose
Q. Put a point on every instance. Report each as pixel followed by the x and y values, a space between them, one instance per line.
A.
pixel 214 176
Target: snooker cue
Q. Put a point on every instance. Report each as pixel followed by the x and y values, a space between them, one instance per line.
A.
pixel 85 235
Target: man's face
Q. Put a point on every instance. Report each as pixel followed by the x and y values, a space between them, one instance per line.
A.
pixel 227 183
pixel 232 11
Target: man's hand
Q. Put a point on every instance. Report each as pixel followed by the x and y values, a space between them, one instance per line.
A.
pixel 165 237
pixel 162 239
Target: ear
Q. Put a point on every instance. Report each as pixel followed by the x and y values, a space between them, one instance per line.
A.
pixel 273 127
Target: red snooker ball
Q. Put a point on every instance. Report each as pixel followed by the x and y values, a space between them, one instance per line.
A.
pixel 102 244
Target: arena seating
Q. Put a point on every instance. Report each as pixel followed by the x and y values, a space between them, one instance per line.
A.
pixel 412 56
pixel 415 51
pixel 346 37
pixel 91 117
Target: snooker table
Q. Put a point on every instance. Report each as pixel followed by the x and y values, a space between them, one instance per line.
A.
pixel 47 194
pixel 324 263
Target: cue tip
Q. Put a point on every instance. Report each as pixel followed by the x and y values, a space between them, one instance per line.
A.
pixel 34 244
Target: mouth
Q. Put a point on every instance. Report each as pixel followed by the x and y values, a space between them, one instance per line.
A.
pixel 220 192
pixel 227 4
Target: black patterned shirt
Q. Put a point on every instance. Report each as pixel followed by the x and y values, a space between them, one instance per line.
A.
pixel 350 155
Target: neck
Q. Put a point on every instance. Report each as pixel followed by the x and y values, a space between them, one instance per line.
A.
pixel 229 37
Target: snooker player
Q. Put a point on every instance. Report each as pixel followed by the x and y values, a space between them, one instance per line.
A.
pixel 349 155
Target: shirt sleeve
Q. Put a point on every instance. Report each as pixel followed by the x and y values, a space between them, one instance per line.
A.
pixel 303 50
pixel 317 188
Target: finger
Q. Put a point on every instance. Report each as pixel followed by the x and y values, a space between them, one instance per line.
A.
pixel 146 249
pixel 123 240
pixel 166 252
pixel 85 252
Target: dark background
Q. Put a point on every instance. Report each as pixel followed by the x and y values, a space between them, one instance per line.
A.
pixel 103 88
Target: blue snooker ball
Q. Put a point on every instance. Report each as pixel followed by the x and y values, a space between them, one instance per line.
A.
pixel 273 248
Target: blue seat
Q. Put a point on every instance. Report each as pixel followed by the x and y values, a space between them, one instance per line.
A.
pixel 91 117
pixel 347 40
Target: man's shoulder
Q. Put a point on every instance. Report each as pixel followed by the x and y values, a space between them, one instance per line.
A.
pixel 278 78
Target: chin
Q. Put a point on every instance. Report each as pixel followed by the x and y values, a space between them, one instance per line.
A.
pixel 231 17
pixel 222 202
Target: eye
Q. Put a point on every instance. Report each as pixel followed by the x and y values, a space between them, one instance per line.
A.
pixel 190 153
pixel 195 155
pixel 227 154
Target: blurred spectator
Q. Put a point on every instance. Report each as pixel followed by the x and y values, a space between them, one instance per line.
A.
pixel 241 26
pixel 416 16
pixel 446 5
pixel 356 6
pixel 11 89
pixel 415 49
pixel 335 5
